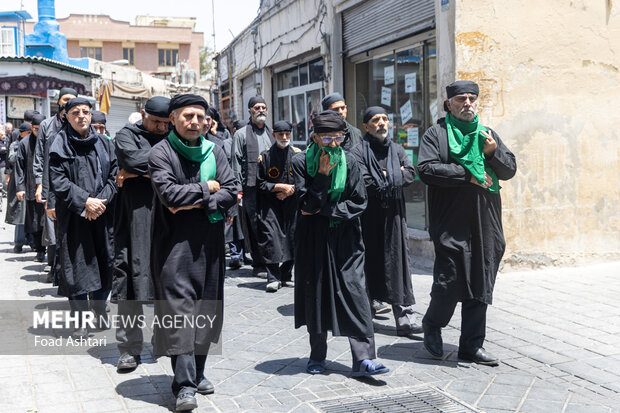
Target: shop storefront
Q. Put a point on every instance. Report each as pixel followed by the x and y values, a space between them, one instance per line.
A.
pixel 400 76
pixel 297 94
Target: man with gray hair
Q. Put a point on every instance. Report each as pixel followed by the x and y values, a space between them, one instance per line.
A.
pixel 462 162
pixel 248 143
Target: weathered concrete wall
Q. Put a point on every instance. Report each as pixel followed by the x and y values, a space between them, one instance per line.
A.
pixel 548 72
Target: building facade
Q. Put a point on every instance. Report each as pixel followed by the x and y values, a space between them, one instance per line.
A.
pixel 154 45
pixel 545 90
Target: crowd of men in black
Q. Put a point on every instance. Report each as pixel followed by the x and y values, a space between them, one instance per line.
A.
pixel 148 215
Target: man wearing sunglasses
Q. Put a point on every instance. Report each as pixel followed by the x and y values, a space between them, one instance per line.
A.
pixel 330 287
pixel 247 144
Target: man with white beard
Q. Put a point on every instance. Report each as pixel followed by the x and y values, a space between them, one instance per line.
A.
pixel 248 143
pixel 386 170
pixel 277 208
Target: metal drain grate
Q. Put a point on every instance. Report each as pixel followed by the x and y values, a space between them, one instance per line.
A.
pixel 424 400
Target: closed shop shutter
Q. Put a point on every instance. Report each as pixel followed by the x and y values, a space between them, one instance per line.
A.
pixel 248 90
pixel 120 109
pixel 376 22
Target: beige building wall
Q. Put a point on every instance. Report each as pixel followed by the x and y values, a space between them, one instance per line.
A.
pixel 549 73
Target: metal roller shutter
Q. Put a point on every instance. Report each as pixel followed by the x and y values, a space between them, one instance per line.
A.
pixel 376 22
pixel 120 109
pixel 248 91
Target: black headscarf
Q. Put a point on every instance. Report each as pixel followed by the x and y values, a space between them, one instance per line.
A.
pixel 97 117
pixel 180 101
pixel 77 101
pixel 29 114
pixel 67 91
pixel 282 126
pixel 158 106
pixel 461 87
pixel 254 100
pixel 371 111
pixel 37 119
pixel 328 121
pixel 239 123
pixel 331 99
pixel 215 115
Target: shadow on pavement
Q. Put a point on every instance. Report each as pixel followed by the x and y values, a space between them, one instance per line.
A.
pixel 287 310
pixel 259 285
pixel 42 292
pixel 154 391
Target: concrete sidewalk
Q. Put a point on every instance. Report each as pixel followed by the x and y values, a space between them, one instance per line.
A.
pixel 556 330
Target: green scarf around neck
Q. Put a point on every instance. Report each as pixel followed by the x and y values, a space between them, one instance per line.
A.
pixel 466 143
pixel 202 154
pixel 338 173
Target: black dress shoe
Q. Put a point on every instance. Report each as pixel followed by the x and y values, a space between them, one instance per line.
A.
pixel 18 249
pixel 411 329
pixel 234 264
pixel 186 401
pixel 127 363
pixel 480 356
pixel 433 342
pixel 205 387
pixel 80 333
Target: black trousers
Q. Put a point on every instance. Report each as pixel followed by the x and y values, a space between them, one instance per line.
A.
pixel 362 348
pixel 280 272
pixel 473 320
pixel 188 372
pixel 130 336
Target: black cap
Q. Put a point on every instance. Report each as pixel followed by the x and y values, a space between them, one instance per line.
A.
pixel 157 106
pixel 180 101
pixel 328 121
pixel 77 101
pixel 462 86
pixel 331 99
pixel 37 119
pixel 254 100
pixel 239 123
pixel 282 126
pixel 371 111
pixel 97 117
pixel 67 91
pixel 29 114
pixel 24 127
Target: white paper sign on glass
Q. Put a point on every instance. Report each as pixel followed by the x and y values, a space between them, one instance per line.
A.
pixel 386 96
pixel 388 75
pixel 410 82
pixel 391 127
pixel 413 137
pixel 406 112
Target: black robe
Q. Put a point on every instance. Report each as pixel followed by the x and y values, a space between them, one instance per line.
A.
pixel 233 232
pixel 79 169
pixel 384 229
pixel 24 181
pixel 187 250
pixel 330 287
pixel 15 209
pixel 132 221
pixel 465 220
pixel 276 218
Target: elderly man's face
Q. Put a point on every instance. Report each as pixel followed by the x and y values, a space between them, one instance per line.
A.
pixel 8 128
pixel 258 112
pixel 378 126
pixel 79 119
pixel 155 124
pixel 464 107
pixel 340 107
pixel 188 121
pixel 282 138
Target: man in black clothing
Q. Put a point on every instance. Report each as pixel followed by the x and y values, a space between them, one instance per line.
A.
pixel 386 170
pixel 132 284
pixel 462 162
pixel 26 188
pixel 277 208
pixel 82 167
pixel 330 286
pixel 194 186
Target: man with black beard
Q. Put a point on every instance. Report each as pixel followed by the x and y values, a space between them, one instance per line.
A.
pixel 248 143
pixel 26 187
pixel 82 168
pixel 47 132
pixel 335 102
pixel 386 170
pixel 462 162
pixel 132 284
pixel 277 208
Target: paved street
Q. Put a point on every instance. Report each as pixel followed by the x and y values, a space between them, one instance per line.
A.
pixel 557 332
